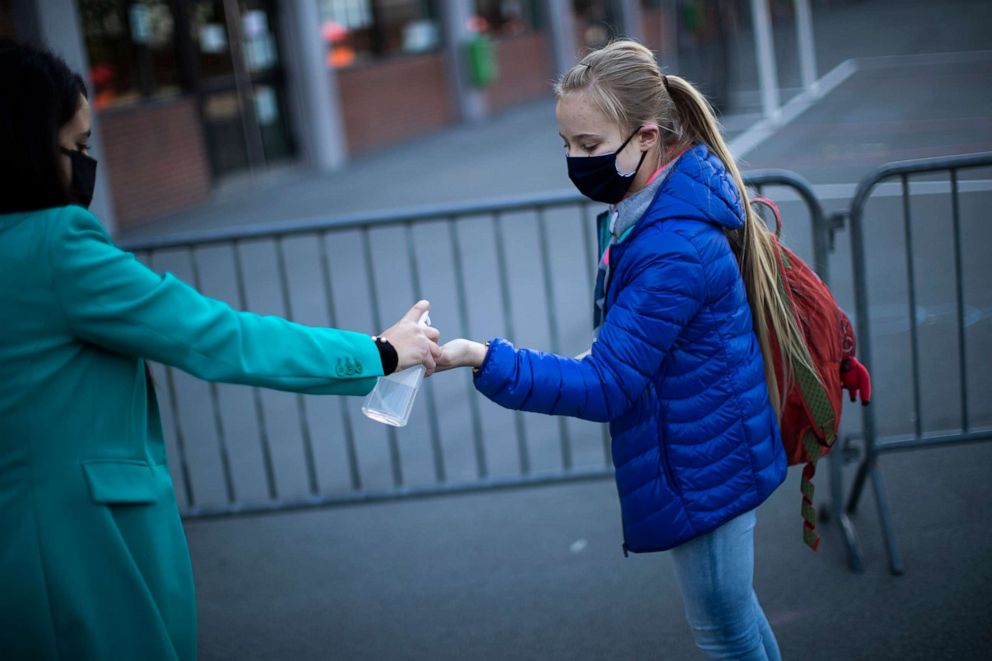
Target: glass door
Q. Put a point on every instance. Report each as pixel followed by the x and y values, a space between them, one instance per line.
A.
pixel 240 81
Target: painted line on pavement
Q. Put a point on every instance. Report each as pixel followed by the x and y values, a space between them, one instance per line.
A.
pixel 918 59
pixel 766 128
pixel 799 104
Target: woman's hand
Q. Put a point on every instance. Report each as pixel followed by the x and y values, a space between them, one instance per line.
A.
pixel 415 343
pixel 461 353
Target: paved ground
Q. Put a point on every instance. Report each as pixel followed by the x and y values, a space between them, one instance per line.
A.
pixel 537 573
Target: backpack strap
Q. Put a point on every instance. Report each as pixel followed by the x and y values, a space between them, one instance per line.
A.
pixel 812 446
pixel 818 409
pixel 821 413
pixel 774 207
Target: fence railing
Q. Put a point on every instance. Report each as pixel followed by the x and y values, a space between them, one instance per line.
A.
pixel 522 268
pixel 876 442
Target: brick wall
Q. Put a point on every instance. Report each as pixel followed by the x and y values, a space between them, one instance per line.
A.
pixel 526 71
pixel 155 158
pixel 389 101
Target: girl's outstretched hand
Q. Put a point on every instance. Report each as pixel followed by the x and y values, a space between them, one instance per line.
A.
pixel 461 353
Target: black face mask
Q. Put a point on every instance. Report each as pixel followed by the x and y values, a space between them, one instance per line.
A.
pixel 597 177
pixel 83 176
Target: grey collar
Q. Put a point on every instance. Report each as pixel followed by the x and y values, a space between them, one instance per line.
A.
pixel 627 212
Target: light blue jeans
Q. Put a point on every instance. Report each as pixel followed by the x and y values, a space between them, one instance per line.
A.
pixel 716 575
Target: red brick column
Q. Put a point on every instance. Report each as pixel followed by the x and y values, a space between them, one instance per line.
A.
pixel 395 99
pixel 155 158
pixel 526 71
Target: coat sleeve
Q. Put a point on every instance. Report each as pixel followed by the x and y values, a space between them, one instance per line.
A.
pixel 110 299
pixel 663 290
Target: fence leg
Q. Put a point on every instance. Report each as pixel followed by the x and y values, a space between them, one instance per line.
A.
pixel 885 520
pixel 855 559
pixel 859 483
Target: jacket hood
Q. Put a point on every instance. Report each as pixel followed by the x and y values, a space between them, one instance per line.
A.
pixel 699 187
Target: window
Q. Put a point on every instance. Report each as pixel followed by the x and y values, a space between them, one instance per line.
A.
pixel 357 31
pixel 131 49
pixel 507 18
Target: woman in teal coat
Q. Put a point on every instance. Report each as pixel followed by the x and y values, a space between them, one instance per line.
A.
pixel 93 559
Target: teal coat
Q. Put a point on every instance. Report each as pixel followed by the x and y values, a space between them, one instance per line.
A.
pixel 93 559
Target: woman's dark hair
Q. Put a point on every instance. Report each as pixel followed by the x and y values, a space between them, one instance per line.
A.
pixel 38 95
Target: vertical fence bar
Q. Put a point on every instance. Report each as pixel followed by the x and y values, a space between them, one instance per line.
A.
pixel 225 459
pixel 482 468
pixel 564 436
pixel 913 335
pixel 864 345
pixel 440 474
pixel 592 266
pixel 394 448
pixel 301 406
pixel 263 433
pixel 177 425
pixel 959 290
pixel 180 437
pixel 504 281
pixel 590 248
pixel 332 318
pixel 821 240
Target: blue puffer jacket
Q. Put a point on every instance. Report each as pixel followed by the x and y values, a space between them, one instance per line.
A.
pixel 676 370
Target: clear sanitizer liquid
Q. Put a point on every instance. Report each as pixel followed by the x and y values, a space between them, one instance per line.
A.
pixel 391 401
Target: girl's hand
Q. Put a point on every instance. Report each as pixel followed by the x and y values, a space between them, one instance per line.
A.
pixel 461 353
pixel 415 343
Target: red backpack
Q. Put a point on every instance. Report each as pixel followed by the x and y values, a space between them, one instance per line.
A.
pixel 811 408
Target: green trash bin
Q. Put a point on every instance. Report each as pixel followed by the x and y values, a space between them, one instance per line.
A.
pixel 480 59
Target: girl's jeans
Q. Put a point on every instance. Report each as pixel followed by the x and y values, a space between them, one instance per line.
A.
pixel 716 575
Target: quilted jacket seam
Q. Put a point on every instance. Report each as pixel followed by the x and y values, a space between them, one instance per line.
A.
pixel 732 376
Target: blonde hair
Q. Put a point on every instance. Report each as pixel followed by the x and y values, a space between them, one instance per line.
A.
pixel 624 81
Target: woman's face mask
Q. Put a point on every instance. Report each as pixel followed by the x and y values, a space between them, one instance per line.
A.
pixel 74 137
pixel 83 176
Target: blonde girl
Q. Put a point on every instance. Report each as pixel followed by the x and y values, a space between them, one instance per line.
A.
pixel 681 365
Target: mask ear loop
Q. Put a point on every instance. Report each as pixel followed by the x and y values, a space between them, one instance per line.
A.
pixel 616 155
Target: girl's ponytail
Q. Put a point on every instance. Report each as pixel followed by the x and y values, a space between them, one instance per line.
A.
pixel 753 245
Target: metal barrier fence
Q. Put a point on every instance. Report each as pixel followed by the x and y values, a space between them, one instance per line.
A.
pixel 523 268
pixel 876 443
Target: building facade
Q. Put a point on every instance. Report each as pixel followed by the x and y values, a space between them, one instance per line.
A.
pixel 189 93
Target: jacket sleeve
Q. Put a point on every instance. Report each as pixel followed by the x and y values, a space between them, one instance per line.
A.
pixel 110 299
pixel 663 291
